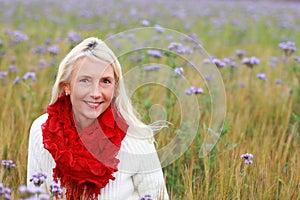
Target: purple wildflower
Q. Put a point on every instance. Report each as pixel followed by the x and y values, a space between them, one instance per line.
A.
pixel 152 67
pixel 12 68
pixel 2 74
pixel 250 62
pixel 240 53
pixel 145 23
pixel 8 164
pixel 208 77
pixel 297 58
pixel 73 37
pixel 146 197
pixel 219 63
pixel 31 75
pixel 194 90
pixel 28 192
pixel 288 47
pixel 178 70
pixel 262 76
pixel 159 28
pixel 39 50
pixel 179 48
pixel 38 178
pixel 17 79
pixel 55 189
pixel 18 36
pixel 5 191
pixel 53 50
pixel 247 158
pixel 154 53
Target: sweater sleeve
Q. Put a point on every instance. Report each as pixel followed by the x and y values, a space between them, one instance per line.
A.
pixel 39 159
pixel 148 177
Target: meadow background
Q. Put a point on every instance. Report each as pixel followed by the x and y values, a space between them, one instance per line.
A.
pixel 262 101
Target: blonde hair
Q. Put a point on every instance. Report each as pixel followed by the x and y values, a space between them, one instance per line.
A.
pixel 96 49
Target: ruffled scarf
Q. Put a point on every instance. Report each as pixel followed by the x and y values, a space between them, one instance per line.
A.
pixel 85 159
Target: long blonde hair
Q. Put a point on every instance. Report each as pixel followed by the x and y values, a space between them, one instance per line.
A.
pixel 96 49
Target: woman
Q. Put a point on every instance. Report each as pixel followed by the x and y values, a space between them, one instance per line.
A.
pixel 90 140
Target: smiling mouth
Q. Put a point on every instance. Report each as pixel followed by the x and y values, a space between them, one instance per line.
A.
pixel 92 104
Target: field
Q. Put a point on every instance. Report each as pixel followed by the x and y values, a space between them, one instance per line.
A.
pixel 241 55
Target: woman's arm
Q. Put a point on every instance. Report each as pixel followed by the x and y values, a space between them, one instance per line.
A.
pixel 143 160
pixel 39 159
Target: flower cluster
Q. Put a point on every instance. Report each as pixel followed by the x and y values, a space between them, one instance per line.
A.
pixel 55 189
pixel 146 197
pixel 154 53
pixel 250 62
pixel 38 178
pixel 262 76
pixel 28 193
pixel 194 90
pixel 8 164
pixel 178 70
pixel 179 48
pixel 288 47
pixel 247 158
pixel 5 191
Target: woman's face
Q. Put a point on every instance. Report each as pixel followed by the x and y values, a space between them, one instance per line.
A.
pixel 91 90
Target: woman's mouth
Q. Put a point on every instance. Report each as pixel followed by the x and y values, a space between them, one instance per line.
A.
pixel 92 104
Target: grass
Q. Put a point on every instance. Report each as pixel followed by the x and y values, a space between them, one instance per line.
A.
pixel 262 119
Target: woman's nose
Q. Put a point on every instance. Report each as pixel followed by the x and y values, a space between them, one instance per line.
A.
pixel 96 92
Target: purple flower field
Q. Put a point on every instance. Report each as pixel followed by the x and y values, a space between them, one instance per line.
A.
pixel 225 74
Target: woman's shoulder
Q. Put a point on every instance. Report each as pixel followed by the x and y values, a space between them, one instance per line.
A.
pixel 39 121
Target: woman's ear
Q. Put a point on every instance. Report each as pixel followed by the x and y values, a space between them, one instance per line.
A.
pixel 67 89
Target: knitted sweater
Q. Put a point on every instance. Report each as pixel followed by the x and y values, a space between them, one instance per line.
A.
pixel 139 171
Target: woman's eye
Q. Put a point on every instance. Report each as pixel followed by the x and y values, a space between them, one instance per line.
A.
pixel 106 81
pixel 84 80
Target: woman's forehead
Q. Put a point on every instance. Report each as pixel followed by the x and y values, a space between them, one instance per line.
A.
pixel 95 67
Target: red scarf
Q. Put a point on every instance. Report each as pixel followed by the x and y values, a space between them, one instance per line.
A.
pixel 85 161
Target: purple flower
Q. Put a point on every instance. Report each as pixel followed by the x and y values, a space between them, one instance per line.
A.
pixel 297 58
pixel 53 50
pixel 17 79
pixel 5 191
pixel 18 36
pixel 240 53
pixel 29 192
pixel 178 70
pixel 31 75
pixel 2 74
pixel 219 63
pixel 8 164
pixel 179 48
pixel 12 68
pixel 145 23
pixel 158 28
pixel 194 90
pixel 146 197
pixel 154 53
pixel 55 189
pixel 288 47
pixel 73 37
pixel 38 178
pixel 262 76
pixel 247 158
pixel 250 62
pixel 152 67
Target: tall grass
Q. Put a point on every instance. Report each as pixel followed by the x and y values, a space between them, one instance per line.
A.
pixel 263 120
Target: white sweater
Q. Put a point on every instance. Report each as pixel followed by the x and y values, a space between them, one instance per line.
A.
pixel 139 171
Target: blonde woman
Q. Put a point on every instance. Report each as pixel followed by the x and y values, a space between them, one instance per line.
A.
pixel 90 140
